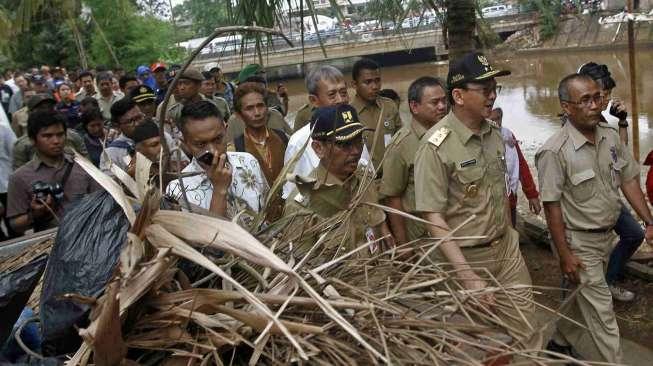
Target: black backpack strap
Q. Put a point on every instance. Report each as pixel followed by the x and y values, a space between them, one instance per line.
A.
pixel 282 136
pixel 239 143
pixel 66 174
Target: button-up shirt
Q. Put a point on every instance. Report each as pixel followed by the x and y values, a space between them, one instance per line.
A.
pixel 106 103
pixel 459 173
pixel 308 161
pixel 383 117
pixel 585 177
pixel 247 191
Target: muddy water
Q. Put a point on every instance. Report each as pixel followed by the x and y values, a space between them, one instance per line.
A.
pixel 529 96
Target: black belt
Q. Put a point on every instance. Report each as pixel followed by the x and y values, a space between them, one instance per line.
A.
pixel 594 231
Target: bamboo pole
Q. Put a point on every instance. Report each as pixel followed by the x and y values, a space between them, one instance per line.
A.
pixel 633 79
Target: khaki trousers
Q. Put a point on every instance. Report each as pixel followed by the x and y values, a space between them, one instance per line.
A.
pixel 593 304
pixel 504 261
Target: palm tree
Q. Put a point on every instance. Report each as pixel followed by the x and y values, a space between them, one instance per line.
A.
pixel 461 24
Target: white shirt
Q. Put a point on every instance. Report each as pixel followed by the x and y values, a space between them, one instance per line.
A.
pixel 512 160
pixel 248 188
pixel 7 140
pixel 308 160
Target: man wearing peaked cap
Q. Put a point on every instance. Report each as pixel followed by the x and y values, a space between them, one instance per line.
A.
pixel 145 99
pixel 460 172
pixel 255 73
pixel 335 184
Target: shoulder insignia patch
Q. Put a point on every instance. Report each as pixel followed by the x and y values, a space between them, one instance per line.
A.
pixel 492 123
pixel 439 136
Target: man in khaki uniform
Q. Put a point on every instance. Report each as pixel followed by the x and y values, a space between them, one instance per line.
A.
pixel 19 118
pixel 375 112
pixel 581 169
pixel 331 187
pixel 427 101
pixel 459 172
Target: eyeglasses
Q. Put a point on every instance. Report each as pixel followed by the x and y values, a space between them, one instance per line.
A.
pixel 488 90
pixel 587 100
pixel 134 120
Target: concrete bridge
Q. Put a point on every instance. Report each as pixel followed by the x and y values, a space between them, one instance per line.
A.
pixel 357 45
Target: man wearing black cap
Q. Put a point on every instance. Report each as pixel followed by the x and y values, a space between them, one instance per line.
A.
pixel 188 91
pixel 333 185
pixel 24 147
pixel 460 172
pixel 145 99
pixel 629 230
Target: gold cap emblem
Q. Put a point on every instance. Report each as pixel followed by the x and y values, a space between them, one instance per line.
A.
pixel 347 117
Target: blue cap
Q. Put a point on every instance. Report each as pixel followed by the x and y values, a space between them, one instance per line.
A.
pixel 338 123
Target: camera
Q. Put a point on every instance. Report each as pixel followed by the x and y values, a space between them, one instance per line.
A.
pixel 41 190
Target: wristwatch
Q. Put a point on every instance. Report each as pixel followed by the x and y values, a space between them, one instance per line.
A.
pixel 623 123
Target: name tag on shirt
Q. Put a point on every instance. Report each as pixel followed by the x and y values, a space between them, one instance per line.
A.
pixel 386 139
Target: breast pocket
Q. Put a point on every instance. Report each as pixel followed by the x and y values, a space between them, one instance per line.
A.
pixel 583 185
pixel 470 181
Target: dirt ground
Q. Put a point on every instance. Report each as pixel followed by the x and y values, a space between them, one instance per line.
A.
pixel 635 318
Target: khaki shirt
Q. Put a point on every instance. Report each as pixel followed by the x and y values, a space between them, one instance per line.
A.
pixel 585 177
pixel 175 107
pixel 459 174
pixel 382 114
pixel 19 121
pixel 320 196
pixel 398 178
pixel 236 125
pixel 303 117
pixel 24 149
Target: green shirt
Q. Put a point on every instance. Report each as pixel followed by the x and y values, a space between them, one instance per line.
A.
pixel 459 173
pixel 320 196
pixel 398 178
pixel 383 117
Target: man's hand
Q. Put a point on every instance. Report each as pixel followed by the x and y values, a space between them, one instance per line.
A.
pixel 649 235
pixel 570 266
pixel 282 91
pixel 219 174
pixel 39 208
pixel 618 109
pixel 534 205
pixel 472 282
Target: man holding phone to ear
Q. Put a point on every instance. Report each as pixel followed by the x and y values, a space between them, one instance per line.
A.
pixel 226 183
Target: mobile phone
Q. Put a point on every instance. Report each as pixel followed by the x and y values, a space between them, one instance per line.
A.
pixel 206 158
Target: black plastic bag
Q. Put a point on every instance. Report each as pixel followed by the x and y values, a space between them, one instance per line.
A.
pixel 15 289
pixel 84 256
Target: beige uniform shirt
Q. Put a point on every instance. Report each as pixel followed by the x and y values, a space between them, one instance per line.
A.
pixel 381 115
pixel 19 121
pixel 585 177
pixel 321 196
pixel 459 174
pixel 398 178
pixel 236 126
pixel 303 117
pixel 175 107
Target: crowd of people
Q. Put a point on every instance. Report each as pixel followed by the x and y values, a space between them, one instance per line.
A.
pixel 454 160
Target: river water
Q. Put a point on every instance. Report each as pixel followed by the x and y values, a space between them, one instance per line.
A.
pixel 529 96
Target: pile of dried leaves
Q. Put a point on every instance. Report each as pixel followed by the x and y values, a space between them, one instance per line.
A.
pixel 249 305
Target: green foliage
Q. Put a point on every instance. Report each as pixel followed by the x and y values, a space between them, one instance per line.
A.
pixel 205 15
pixel 549 15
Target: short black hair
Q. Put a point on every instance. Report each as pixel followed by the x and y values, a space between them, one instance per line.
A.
pixel 125 79
pixel 119 108
pixel 416 88
pixel 90 100
pixel 198 110
pixel 363 64
pixel 84 74
pixel 91 115
pixel 41 119
pixel 390 94
pixel 102 76
pixel 207 75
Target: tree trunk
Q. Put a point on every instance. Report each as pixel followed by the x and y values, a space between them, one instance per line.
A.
pixel 461 23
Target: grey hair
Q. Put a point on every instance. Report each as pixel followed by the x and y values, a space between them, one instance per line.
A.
pixel 563 87
pixel 324 72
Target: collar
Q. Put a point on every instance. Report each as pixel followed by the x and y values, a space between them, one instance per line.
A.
pixel 462 131
pixel 359 104
pixel 578 139
pixel 417 128
pixel 36 161
pixel 110 98
pixel 324 178
pixel 258 142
